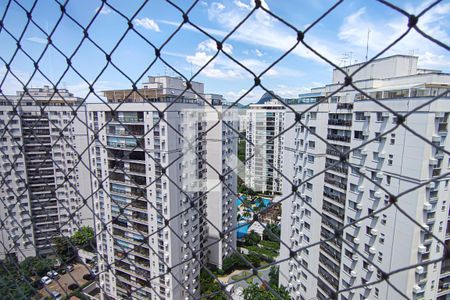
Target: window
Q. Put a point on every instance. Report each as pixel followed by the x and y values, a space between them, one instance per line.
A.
pixel 383 219
pixel 379 117
pixel 311 158
pixel 312 129
pixel 357 153
pixel 312 144
pixel 381 239
pixel 378 136
pixel 375 156
pixel 392 140
pixel 348 253
pixel 377 292
pixel 368 230
pixel 388 179
pixel 358 135
pixel 353 187
pixel 352 204
pixel 313 115
pixel 359 116
pixel 309 186
pixel 380 256
pixel 307 226
pixel 391 159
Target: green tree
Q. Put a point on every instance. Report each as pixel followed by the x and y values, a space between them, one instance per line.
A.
pixel 254 292
pixel 84 238
pixel 31 266
pixel 251 239
pixel 65 249
pixel 271 232
pixel 14 284
pixel 273 276
pixel 208 286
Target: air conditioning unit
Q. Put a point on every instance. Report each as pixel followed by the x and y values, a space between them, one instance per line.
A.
pixel 361 188
pixel 358 224
pixel 427 206
pixel 433 161
pixel 366 114
pixel 364 151
pixel 377 194
pixel 380 174
pixel 440 115
pixel 355 257
pixel 353 273
pixel 372 250
pixel 417 289
pixel 356 241
pixel 371 268
pixel 359 206
pixel 419 270
pixel 374 231
pixel 431 185
pixel 421 249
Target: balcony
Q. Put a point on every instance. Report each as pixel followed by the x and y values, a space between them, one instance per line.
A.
pixel 337 137
pixel 339 199
pixel 336 183
pixel 340 122
pixel 345 105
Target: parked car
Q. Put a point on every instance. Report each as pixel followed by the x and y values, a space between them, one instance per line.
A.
pixel 52 274
pixel 69 268
pixel 46 280
pixel 56 295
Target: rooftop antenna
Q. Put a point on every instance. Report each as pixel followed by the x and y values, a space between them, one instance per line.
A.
pixel 367 44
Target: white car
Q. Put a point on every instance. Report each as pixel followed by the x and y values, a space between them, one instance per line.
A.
pixel 69 268
pixel 52 274
pixel 46 280
pixel 56 295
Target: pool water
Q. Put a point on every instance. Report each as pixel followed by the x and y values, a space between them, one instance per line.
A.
pixel 242 229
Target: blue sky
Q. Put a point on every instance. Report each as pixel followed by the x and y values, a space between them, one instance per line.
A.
pixel 341 37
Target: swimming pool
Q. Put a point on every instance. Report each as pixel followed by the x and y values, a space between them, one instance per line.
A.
pixel 240 199
pixel 242 229
pixel 265 202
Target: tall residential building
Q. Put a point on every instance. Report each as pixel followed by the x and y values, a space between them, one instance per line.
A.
pixel 397 161
pixel 152 189
pixel 221 155
pixel 265 121
pixel 45 188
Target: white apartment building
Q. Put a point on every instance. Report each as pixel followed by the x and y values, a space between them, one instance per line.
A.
pixel 265 120
pixel 45 188
pixel 398 161
pixel 221 155
pixel 148 173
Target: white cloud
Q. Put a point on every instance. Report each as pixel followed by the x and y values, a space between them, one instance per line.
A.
pixel 242 5
pixel 258 53
pixel 199 59
pixel 105 10
pixel 36 39
pixel 354 32
pixel 211 46
pixel 263 30
pixel 147 24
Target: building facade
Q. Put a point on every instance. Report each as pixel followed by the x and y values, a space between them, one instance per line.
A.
pixel 150 156
pixel 397 161
pixel 265 121
pixel 44 191
pixel 221 155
